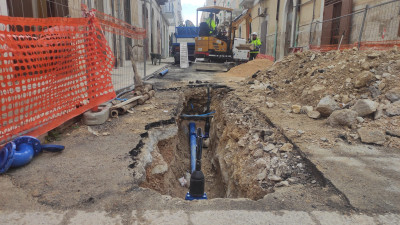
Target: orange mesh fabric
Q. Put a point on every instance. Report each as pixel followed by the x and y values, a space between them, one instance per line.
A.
pixel 376 45
pixel 51 70
pixel 119 27
pixel 262 56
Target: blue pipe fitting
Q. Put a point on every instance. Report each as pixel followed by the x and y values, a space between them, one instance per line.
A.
pixel 193 145
pixel 34 142
pixel 23 155
pixel 21 151
pixel 27 148
pixel 7 157
pixel 188 197
pixel 162 73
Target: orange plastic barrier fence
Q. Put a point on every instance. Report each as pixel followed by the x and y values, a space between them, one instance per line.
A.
pixel 119 27
pixel 376 45
pixel 51 70
pixel 262 56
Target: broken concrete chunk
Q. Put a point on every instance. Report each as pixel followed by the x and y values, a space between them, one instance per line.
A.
pixel 372 136
pixel 360 119
pixel 282 184
pixel 269 147
pixel 287 147
pixel 274 178
pixel 393 95
pixel 270 104
pixel 393 109
pixel 242 142
pixel 314 114
pixel 296 109
pixel 306 109
pixel 354 136
pixel 344 117
pixel 365 107
pixel 312 57
pixel 363 79
pixel 365 66
pixel 261 163
pixel 373 55
pixel 262 175
pixel 327 105
pixel 160 169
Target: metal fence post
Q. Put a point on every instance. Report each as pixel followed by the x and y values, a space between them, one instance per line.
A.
pixel 144 56
pixel 362 26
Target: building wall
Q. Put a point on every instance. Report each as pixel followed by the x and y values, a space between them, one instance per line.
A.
pixel 382 23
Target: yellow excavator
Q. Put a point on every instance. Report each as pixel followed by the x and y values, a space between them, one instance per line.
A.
pixel 214 47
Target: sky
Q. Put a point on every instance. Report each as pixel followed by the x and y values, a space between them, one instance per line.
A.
pixel 189 9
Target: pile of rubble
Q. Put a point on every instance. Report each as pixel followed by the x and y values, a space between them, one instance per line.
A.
pixel 254 158
pixel 355 89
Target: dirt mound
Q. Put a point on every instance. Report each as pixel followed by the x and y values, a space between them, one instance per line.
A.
pixel 247 69
pixel 307 77
pixel 303 79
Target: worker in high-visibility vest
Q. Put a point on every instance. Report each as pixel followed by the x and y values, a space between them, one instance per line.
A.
pixel 257 44
pixel 211 23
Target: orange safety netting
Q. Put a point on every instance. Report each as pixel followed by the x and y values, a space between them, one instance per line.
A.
pixel 119 27
pixel 51 70
pixel 262 56
pixel 375 45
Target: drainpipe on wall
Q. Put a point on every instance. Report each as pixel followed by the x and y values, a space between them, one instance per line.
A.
pixel 293 42
pixel 276 29
pixel 312 20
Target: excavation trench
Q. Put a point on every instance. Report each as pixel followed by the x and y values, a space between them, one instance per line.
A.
pixel 245 158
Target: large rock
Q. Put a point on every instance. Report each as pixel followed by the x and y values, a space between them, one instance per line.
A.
pixel 314 114
pixel 327 105
pixel 393 109
pixel 345 117
pixel 365 107
pixel 371 136
pixel 363 79
pixel 393 95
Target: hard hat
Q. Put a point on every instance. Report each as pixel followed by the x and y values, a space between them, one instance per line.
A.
pixel 254 33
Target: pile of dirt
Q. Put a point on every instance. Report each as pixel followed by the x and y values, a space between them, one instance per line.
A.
pixel 247 69
pixel 366 82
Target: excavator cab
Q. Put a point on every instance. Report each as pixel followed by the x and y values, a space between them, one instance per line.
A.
pixel 214 45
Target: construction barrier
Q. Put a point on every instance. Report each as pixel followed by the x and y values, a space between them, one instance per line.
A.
pixel 262 56
pixel 51 70
pixel 368 45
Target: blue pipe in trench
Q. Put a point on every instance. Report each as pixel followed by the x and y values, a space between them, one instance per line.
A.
pixel 193 145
